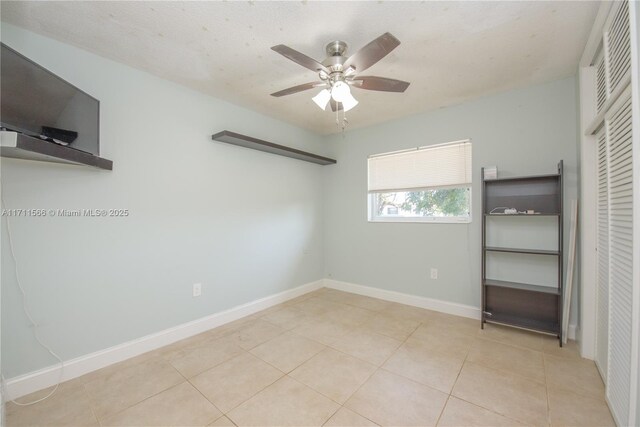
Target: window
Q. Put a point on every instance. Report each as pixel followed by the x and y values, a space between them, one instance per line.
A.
pixel 426 184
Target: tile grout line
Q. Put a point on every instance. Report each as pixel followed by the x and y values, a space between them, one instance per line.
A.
pixel 198 390
pixel 493 410
pixel 86 393
pixel 546 389
pixel 137 403
pixel 344 353
pixel 514 374
pixel 505 372
pixel 155 394
pixel 316 391
pixel 328 346
pixel 454 384
pixel 333 414
pixel 186 380
pixel 489 410
pixel 250 397
pixel 254 394
pixel 378 368
pixel 226 414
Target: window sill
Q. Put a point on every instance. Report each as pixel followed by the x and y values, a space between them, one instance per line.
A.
pixel 423 220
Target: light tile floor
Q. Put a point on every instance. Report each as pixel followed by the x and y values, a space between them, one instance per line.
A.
pixel 337 359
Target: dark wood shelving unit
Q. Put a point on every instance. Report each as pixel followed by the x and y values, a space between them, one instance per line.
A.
pixel 523 305
pixel 269 147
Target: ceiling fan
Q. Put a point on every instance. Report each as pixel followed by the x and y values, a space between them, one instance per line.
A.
pixel 338 73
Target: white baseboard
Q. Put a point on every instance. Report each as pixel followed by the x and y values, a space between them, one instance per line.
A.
pixel 572 332
pixel 24 384
pixel 413 300
pixel 417 301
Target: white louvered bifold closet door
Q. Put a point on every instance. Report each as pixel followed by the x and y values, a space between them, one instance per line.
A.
pixel 620 177
pixel 612 126
pixel 602 314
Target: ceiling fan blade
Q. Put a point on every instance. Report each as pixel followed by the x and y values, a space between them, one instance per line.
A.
pixel 380 83
pixel 299 88
pixel 299 58
pixel 372 53
pixel 335 106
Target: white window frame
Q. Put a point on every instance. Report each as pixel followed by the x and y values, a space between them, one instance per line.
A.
pixel 371 205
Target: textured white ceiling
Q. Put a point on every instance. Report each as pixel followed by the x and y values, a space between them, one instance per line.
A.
pixel 450 52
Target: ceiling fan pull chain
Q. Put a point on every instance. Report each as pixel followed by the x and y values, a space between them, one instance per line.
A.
pixel 344 120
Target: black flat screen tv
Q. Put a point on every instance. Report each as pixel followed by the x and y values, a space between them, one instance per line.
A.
pixel 36 102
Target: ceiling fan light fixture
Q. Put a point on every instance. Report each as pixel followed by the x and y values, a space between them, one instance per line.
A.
pixel 349 102
pixel 340 91
pixel 322 98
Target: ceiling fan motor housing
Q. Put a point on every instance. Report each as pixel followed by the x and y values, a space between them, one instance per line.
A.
pixel 336 48
pixel 334 61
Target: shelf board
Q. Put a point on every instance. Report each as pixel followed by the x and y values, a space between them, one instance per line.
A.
pixel 523 178
pixel 522 286
pixel 20 146
pixel 521 215
pixel 523 322
pixel 521 251
pixel 269 147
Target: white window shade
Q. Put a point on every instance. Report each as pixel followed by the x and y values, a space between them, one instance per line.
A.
pixel 437 166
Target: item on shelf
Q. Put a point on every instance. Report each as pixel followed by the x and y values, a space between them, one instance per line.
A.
pixel 59 136
pixel 505 211
pixel 491 172
pixel 55 141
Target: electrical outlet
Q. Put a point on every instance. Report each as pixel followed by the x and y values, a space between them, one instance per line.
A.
pixel 434 273
pixel 197 289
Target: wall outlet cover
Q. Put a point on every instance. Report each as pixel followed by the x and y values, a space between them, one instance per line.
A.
pixel 197 289
pixel 434 273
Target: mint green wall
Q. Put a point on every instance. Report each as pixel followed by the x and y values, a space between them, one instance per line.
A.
pixel 521 132
pixel 246 224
